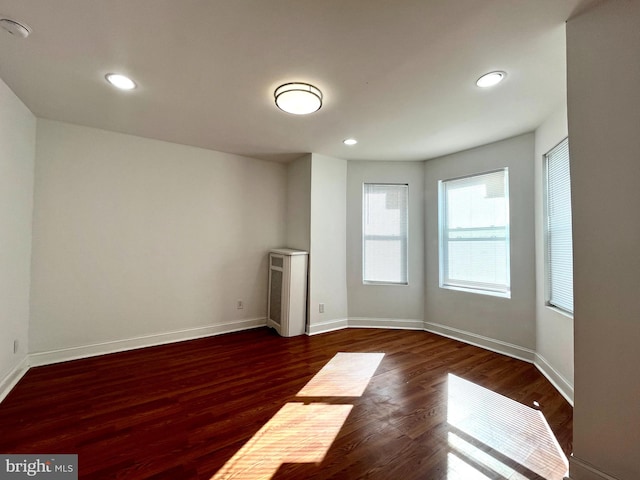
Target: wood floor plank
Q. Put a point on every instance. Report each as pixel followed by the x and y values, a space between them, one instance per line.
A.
pixel 184 410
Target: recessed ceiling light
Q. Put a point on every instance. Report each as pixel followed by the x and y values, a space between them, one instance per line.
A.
pixel 120 81
pixel 15 28
pixel 298 98
pixel 490 79
pixel 350 141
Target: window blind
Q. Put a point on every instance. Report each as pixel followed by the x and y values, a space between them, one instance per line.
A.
pixel 385 227
pixel 559 241
pixel 474 232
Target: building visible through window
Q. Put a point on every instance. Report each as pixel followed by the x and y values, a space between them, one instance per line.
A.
pixel 474 233
pixel 384 228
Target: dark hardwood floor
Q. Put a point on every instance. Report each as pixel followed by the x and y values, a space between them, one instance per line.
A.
pixel 231 406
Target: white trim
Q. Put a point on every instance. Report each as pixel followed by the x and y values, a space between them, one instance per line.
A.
pixel 478 291
pixel 366 322
pixel 391 323
pixel 581 470
pixel 84 351
pixel 328 326
pixel 559 311
pixel 11 379
pixel 557 380
pixel 498 346
pixel 62 355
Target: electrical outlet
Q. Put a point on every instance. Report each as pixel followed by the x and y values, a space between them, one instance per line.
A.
pixel 321 307
pixel 15 346
pixel 240 305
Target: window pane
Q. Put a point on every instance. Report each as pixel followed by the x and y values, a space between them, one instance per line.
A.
pixel 385 233
pixel 478 261
pixel 382 261
pixel 474 232
pixel 559 261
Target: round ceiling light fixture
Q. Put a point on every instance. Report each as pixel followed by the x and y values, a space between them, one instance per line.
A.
pixel 298 98
pixel 350 141
pixel 15 28
pixel 120 81
pixel 490 79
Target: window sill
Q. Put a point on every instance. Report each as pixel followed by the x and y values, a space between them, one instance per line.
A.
pixel 559 311
pixel 386 284
pixel 477 291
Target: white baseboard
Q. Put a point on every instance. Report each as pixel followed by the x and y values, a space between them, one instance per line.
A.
pixel 498 346
pixel 13 377
pixel 365 322
pixel 391 323
pixel 328 326
pixel 84 351
pixel 581 470
pixel 557 380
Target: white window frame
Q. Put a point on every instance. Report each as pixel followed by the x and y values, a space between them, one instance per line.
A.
pixel 557 299
pixel 403 239
pixel 483 288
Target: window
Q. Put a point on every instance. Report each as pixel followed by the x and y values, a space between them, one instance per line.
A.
pixel 559 242
pixel 474 233
pixel 384 228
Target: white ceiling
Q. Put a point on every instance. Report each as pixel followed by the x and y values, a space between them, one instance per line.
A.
pixel 397 75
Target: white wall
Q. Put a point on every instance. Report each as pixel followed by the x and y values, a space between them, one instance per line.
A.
pixel 17 153
pixel 299 203
pixel 393 303
pixel 327 259
pixel 554 330
pixel 136 237
pixel 604 140
pixel 504 324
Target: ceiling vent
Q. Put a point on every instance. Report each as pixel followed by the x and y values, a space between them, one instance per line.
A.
pixel 15 28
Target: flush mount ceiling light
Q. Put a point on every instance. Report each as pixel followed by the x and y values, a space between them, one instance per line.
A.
pixel 120 81
pixel 15 28
pixel 490 79
pixel 350 141
pixel 298 98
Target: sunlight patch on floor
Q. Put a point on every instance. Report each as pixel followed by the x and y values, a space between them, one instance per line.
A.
pixel 518 434
pixel 298 433
pixel 303 433
pixel 346 375
pixel 458 469
pixel 481 458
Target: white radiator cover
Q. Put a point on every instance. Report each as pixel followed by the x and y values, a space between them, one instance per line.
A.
pixel 287 302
